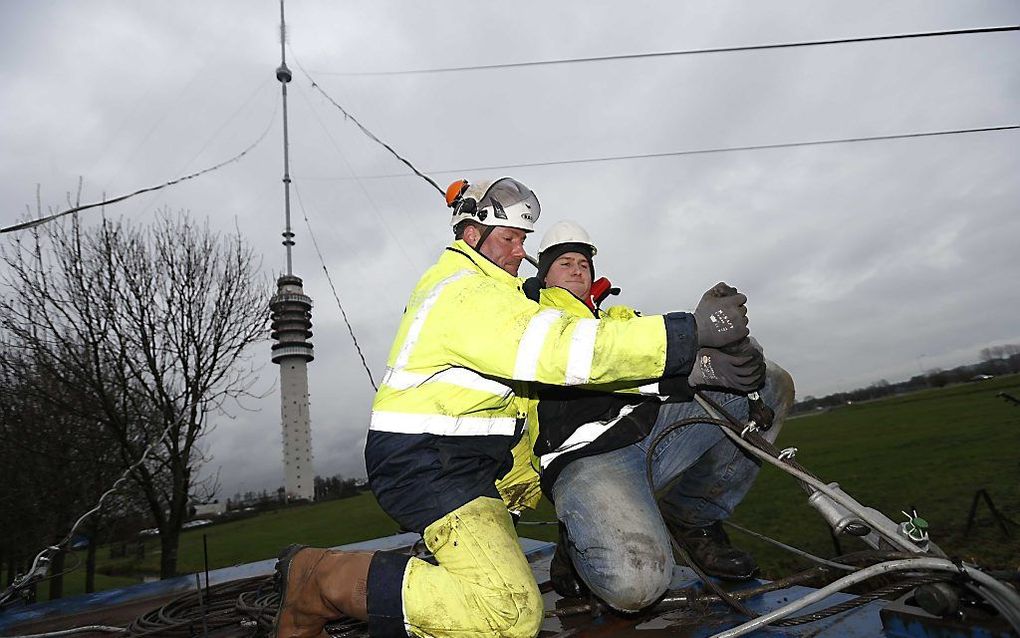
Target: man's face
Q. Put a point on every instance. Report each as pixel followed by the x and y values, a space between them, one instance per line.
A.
pixel 504 246
pixel 571 271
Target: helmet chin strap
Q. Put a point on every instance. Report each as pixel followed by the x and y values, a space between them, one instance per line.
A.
pixel 481 239
pixel 485 235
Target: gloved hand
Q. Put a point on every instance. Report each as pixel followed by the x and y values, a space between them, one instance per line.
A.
pixel 743 347
pixel 740 368
pixel 721 317
pixel 750 347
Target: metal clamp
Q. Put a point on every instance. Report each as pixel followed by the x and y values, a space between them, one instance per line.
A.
pixel 915 527
pixel 787 453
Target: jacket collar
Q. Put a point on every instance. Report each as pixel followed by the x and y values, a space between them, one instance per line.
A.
pixel 563 298
pixel 482 264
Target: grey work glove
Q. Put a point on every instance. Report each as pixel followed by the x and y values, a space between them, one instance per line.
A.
pixel 744 346
pixel 721 317
pixel 749 347
pixel 741 368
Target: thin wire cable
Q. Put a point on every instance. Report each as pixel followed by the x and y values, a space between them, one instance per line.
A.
pixel 75 564
pixel 365 130
pixel 662 54
pixel 231 118
pixel 329 278
pixel 361 185
pixel 727 149
pixel 704 151
pixel 48 218
pixel 87 629
pixel 791 549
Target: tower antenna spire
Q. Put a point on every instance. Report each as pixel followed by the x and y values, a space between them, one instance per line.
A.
pixel 283 74
pixel 291 312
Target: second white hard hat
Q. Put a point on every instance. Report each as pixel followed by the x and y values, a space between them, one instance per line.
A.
pixel 566 232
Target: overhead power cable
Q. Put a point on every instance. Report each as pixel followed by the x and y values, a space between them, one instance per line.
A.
pixel 48 218
pixel 663 54
pixel 727 149
pixel 367 132
pixel 361 185
pixel 373 137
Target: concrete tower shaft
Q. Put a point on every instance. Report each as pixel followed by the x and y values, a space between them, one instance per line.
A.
pixel 292 322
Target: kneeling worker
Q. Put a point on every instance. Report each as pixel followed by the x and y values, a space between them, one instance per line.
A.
pixel 451 406
pixel 593 446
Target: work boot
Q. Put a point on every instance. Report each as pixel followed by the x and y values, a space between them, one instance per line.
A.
pixel 318 586
pixel 562 573
pixel 710 548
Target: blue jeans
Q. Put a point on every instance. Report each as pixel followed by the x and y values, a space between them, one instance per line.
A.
pixel 618 539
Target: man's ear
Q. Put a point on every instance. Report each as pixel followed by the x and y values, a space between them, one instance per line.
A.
pixel 471 235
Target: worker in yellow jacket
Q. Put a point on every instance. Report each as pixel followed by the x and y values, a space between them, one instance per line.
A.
pixel 451 408
pixel 592 447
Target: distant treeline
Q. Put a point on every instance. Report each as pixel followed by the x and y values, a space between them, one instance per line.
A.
pixel 995 360
pixel 326 489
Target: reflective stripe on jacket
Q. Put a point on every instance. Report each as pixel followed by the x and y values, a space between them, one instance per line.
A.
pixel 454 397
pixel 571 423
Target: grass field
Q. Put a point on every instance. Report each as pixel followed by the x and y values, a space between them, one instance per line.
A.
pixel 930 450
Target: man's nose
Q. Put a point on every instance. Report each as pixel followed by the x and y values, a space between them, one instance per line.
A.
pixel 518 251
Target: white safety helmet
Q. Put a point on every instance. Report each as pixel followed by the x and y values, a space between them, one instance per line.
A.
pixel 503 202
pixel 566 232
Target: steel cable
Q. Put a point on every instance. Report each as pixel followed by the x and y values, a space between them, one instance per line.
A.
pixel 686 597
pixel 372 136
pixel 724 149
pixel 48 218
pixel 217 607
pixel 662 54
pixel 86 629
pixel 250 603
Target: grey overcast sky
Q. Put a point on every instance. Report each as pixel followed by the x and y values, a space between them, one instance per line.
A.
pixel 861 261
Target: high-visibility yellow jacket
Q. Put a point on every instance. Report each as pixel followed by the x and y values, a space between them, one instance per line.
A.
pixel 568 423
pixel 454 398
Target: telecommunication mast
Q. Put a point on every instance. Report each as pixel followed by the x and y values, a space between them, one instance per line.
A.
pixel 291 312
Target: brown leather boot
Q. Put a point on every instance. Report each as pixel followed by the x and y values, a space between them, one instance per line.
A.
pixel 318 586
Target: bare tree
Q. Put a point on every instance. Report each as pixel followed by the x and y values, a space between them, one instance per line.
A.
pixel 152 325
